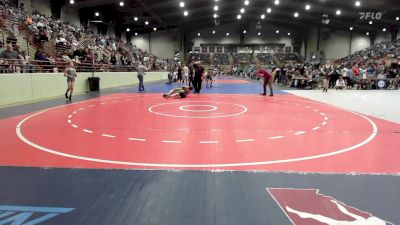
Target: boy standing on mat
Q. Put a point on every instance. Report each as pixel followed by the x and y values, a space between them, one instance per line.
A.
pixel 268 79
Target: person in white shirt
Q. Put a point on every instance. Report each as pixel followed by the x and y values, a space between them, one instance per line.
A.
pixel 185 74
pixel 15 30
pixel 340 84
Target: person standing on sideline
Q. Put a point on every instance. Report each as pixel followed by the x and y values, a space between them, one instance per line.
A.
pixel 268 80
pixel 198 77
pixel 325 81
pixel 179 74
pixel 185 77
pixel 70 73
pixel 141 72
pixel 191 75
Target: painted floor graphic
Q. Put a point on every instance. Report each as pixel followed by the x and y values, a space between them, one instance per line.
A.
pixel 142 197
pixel 309 207
pixel 28 215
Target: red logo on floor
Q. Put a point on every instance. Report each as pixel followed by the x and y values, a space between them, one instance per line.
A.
pixel 309 207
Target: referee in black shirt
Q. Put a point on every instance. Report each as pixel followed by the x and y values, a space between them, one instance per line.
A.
pixel 198 75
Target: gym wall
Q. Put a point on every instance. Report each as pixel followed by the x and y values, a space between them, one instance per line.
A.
pixel 70 14
pixel 43 6
pixel 20 88
pixel 160 43
pixel 338 43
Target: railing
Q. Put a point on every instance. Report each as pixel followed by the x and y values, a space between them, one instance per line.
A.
pixel 47 47
pixel 9 20
pixel 36 66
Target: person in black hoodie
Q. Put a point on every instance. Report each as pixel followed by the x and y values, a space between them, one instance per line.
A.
pixel 334 76
pixel 198 77
pixel 113 59
pixel 180 74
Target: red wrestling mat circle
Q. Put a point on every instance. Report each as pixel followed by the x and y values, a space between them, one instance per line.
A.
pixel 229 132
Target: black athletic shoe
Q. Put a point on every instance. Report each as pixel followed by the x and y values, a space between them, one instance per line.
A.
pixel 271 95
pixel 66 95
pixel 165 95
pixel 69 98
pixel 263 94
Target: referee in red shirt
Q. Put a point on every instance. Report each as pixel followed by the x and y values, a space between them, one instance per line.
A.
pixel 268 79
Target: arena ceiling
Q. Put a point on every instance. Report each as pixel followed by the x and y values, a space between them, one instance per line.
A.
pixel 165 14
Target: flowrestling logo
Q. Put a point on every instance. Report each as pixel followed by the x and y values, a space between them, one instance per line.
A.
pixel 309 207
pixel 370 15
pixel 28 215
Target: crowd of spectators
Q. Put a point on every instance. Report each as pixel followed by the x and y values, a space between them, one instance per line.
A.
pixel 363 73
pixel 72 43
pixel 221 59
pixel 243 58
pixel 294 57
pixel 265 58
pixel 377 67
pixel 204 58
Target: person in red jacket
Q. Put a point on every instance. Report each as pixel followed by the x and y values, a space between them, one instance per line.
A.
pixel 356 71
pixel 268 79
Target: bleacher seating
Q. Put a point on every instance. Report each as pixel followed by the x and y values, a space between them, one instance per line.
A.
pixel 55 38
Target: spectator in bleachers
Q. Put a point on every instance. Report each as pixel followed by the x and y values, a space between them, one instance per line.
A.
pixel 40 56
pixel 9 53
pixel 61 40
pixel 356 71
pixel 10 59
pixel 113 59
pixel 340 84
pixel 123 60
pixel 1 47
pixel 65 57
pixel 69 38
pixel 76 60
pixel 43 35
pixel 77 53
pixel 15 30
pixel 29 20
pixel 370 71
pixel 13 33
